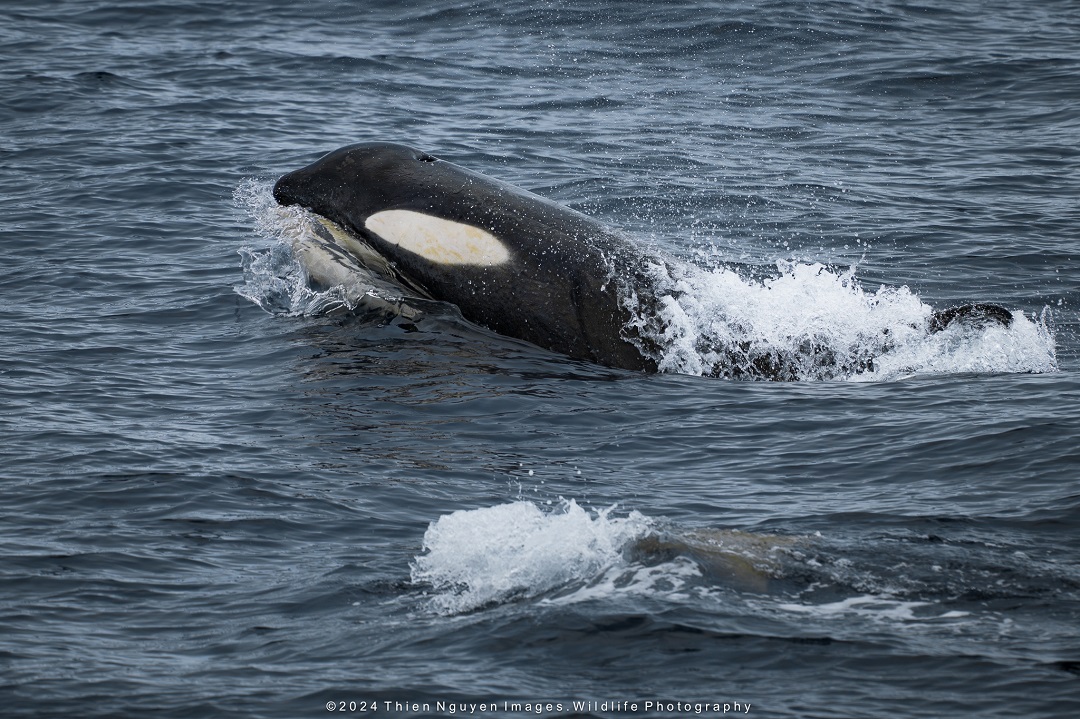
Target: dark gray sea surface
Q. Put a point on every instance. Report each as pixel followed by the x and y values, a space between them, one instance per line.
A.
pixel 224 494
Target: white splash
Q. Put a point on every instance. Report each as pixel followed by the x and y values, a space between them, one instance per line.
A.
pixel 677 580
pixel 1027 346
pixel 276 279
pixel 496 554
pixel 811 322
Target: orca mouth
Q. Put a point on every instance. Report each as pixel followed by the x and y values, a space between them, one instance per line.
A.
pixel 285 191
pixel 329 237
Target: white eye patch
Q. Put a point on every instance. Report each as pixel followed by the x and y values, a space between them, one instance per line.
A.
pixel 443 242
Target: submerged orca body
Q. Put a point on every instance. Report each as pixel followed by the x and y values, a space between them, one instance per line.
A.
pixel 512 261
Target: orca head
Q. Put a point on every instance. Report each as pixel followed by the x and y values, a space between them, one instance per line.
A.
pixel 356 181
pixel 402 197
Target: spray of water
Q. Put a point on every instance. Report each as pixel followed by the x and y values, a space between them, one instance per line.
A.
pixel 274 278
pixel 812 322
pixel 496 554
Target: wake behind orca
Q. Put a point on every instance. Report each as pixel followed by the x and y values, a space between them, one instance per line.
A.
pixel 512 261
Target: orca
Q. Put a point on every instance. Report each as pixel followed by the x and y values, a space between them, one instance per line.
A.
pixel 512 261
pixel 976 315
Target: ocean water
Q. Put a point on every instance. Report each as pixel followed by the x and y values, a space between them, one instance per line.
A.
pixel 225 494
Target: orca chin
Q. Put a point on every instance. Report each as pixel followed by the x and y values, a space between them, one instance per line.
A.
pixel 510 260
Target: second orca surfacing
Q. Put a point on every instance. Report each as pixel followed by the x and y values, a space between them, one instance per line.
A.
pixel 512 261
